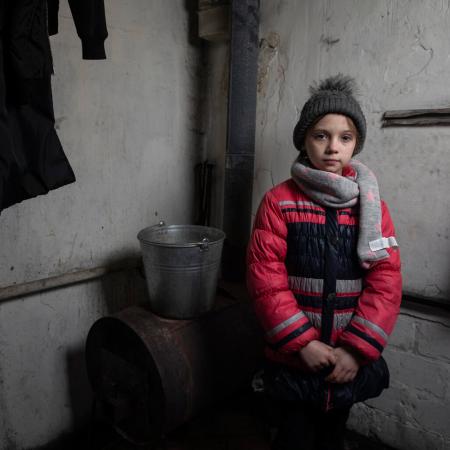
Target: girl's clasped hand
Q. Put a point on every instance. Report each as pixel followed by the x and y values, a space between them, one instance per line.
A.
pixel 317 356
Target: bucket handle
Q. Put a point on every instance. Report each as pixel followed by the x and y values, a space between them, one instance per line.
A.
pixel 203 244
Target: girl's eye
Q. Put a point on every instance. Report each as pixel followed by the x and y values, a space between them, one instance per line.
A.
pixel 347 138
pixel 320 136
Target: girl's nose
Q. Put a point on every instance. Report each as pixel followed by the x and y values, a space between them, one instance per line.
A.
pixel 333 146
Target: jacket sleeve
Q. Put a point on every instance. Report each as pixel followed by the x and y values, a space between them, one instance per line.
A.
pixel 286 327
pixel 90 22
pixel 379 303
pixel 52 19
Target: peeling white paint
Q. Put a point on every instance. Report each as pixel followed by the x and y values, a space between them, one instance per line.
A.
pixel 125 124
pixel 399 53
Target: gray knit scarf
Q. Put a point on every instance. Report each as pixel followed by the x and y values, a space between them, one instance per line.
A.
pixel 336 191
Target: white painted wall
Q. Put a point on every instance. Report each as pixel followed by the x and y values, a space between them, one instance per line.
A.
pixel 399 53
pixel 44 390
pixel 128 126
pixel 413 413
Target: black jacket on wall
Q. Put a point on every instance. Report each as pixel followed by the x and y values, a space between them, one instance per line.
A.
pixel 32 160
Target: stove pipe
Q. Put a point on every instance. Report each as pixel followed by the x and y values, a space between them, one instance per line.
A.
pixel 240 150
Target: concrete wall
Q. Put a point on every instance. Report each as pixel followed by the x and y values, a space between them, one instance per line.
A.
pixel 44 390
pixel 413 413
pixel 398 51
pixel 132 128
pixel 129 126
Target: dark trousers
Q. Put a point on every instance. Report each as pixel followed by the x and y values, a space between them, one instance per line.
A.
pixel 304 428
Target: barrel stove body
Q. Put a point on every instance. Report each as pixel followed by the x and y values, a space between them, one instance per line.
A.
pixel 152 374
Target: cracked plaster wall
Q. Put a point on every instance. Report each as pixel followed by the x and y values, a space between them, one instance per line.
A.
pixel 399 53
pixel 129 128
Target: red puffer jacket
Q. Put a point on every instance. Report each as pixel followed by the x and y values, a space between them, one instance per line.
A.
pixel 306 283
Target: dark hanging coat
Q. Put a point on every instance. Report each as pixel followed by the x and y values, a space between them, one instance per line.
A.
pixel 32 160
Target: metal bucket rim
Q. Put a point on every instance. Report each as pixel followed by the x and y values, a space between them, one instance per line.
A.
pixel 181 244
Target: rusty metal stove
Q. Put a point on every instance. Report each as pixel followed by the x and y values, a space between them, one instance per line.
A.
pixel 150 374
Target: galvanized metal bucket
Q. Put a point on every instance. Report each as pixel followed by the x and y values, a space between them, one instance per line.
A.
pixel 181 264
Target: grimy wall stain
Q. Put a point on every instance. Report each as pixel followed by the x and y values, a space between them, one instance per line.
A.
pixel 398 53
pixel 128 126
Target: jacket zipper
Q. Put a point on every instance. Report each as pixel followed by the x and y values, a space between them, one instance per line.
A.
pixel 329 295
pixel 328 402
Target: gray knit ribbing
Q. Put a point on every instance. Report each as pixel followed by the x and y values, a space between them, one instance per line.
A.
pixel 336 191
pixel 338 100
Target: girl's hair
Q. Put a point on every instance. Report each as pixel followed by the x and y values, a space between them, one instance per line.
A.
pixel 303 153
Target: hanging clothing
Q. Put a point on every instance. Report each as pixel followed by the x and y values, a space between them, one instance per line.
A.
pixel 89 18
pixel 32 160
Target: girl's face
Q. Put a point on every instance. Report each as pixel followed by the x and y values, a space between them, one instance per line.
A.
pixel 330 142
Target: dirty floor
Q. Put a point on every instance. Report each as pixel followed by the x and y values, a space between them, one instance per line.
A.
pixel 233 425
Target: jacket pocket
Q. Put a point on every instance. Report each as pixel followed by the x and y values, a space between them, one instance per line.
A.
pixel 371 380
pixel 292 386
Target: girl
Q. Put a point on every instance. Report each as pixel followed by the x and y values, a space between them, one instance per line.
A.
pixel 324 275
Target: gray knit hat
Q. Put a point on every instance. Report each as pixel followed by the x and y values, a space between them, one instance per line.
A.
pixel 332 95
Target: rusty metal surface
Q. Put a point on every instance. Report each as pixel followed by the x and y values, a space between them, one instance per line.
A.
pixel 157 373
